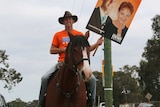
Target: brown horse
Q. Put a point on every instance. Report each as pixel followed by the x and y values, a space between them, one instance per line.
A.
pixel 67 88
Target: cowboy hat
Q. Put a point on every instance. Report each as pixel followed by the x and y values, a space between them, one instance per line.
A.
pixel 66 15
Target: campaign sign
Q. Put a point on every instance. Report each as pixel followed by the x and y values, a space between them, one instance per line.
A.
pixel 112 18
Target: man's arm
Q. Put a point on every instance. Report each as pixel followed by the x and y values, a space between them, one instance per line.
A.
pixel 94 46
pixel 55 50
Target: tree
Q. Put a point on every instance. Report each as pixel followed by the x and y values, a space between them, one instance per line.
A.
pixel 19 103
pixel 149 71
pixel 9 76
pixel 125 86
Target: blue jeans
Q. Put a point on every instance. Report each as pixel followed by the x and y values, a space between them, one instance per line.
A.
pixel 44 84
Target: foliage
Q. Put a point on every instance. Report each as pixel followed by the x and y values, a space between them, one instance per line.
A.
pixel 9 76
pixel 149 71
pixel 126 86
pixel 19 103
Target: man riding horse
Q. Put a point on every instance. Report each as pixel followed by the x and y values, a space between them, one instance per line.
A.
pixel 59 43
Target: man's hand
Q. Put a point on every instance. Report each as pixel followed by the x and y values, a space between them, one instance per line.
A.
pixel 99 42
pixel 87 34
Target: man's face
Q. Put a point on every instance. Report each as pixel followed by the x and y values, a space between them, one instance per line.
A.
pixel 108 5
pixel 68 21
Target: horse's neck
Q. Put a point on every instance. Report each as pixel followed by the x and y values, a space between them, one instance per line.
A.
pixel 67 76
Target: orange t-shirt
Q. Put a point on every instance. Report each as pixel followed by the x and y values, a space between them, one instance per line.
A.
pixel 61 40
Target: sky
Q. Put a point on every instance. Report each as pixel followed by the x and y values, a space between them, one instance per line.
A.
pixel 27 28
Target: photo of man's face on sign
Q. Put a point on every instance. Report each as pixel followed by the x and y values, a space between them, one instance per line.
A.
pixel 111 18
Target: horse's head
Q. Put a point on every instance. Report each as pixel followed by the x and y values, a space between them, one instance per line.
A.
pixel 78 55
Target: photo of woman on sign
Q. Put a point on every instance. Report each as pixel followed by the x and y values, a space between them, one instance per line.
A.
pixel 116 29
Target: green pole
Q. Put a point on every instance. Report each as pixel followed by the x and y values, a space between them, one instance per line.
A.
pixel 108 88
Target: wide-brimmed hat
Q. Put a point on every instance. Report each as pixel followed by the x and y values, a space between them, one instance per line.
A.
pixel 66 15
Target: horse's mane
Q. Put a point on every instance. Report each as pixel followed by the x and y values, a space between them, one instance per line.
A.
pixel 78 41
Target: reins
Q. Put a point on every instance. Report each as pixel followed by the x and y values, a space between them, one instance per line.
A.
pixel 68 94
pixel 78 62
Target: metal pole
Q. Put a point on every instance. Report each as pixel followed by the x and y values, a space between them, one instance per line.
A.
pixel 108 88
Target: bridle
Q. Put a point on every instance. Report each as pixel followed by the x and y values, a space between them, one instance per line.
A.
pixel 76 70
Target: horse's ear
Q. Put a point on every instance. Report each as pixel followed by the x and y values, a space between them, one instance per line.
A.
pixel 87 34
pixel 70 36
